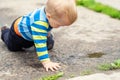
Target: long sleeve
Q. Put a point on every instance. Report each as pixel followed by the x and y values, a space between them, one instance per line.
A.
pixel 39 34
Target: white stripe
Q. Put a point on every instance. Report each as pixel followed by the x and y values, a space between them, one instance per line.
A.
pixel 27 32
pixel 29 35
pixel 24 20
pixel 32 17
pixel 42 15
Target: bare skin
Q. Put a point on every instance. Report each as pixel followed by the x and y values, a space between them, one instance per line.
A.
pixel 49 65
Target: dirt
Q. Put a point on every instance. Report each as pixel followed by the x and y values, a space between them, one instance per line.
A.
pixel 91 33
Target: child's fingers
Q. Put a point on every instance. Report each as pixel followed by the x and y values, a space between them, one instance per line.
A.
pixel 46 68
pixel 57 66
pixel 52 68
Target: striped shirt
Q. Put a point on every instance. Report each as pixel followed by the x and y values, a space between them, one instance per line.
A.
pixel 34 27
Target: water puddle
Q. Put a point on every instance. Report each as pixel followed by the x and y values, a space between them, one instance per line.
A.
pixel 95 55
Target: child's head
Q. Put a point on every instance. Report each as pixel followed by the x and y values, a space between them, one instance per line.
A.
pixel 61 12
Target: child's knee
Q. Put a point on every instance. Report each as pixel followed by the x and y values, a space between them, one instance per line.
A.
pixel 14 49
pixel 50 45
pixel 50 42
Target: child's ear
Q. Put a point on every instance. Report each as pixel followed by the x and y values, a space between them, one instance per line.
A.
pixel 48 15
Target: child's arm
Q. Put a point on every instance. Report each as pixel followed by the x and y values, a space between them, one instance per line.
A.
pixel 39 34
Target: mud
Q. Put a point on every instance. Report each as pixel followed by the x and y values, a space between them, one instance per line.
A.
pixel 96 55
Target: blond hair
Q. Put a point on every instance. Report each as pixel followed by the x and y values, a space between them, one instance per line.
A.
pixel 57 8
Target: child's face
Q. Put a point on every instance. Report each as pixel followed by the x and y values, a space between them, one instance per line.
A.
pixel 55 23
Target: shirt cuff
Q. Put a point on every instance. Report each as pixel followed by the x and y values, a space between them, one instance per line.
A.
pixel 48 59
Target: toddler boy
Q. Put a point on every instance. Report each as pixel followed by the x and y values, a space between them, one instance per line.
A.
pixel 34 29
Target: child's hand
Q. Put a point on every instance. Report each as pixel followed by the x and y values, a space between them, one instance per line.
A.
pixel 48 65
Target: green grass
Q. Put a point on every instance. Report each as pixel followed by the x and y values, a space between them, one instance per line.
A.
pixel 105 67
pixel 99 7
pixel 53 77
pixel 86 72
pixel 110 66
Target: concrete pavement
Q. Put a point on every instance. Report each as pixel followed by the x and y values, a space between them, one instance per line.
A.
pixel 92 32
pixel 99 76
pixel 103 76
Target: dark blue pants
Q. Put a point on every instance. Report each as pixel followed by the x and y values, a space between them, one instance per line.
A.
pixel 17 43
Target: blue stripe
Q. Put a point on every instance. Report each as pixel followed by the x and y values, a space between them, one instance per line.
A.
pixel 39 33
pixel 39 26
pixel 41 49
pixel 28 24
pixel 37 15
pixel 29 27
pixel 27 21
pixel 40 41
pixel 43 57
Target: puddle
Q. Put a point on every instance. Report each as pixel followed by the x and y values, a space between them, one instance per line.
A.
pixel 96 55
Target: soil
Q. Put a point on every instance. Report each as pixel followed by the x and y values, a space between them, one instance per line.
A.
pixel 92 33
